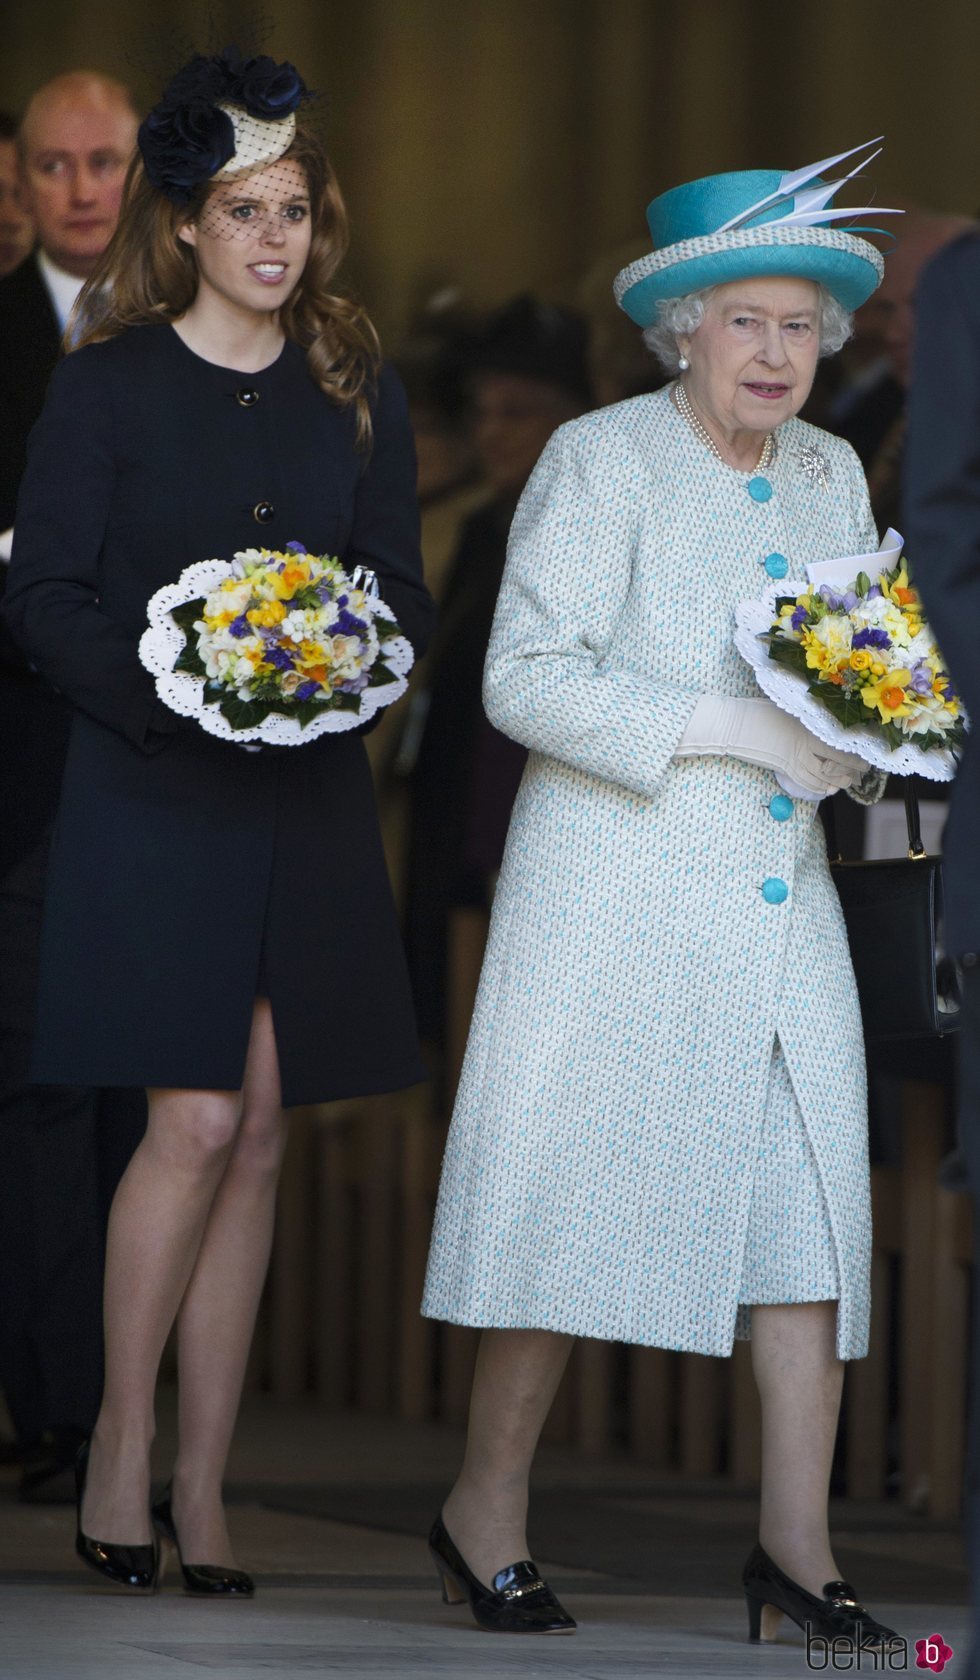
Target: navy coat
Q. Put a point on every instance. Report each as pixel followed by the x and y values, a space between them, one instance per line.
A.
pixel 942 534
pixel 182 864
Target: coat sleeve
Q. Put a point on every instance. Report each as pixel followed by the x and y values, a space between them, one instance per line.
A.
pixel 385 530
pixel 942 470
pixel 52 597
pixel 548 681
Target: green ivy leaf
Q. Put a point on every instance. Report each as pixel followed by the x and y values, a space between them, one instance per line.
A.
pixel 243 714
pixel 186 614
pixel 791 655
pixel 190 660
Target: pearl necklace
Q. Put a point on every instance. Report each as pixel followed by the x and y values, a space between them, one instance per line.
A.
pixel 682 403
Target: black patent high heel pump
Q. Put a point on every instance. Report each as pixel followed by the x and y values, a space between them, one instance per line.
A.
pixel 211 1579
pixel 838 1615
pixel 129 1566
pixel 517 1602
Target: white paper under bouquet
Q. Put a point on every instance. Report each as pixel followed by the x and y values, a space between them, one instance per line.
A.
pixel 276 647
pixel 849 654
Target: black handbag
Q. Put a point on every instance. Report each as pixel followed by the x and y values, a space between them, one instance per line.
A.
pixel 893 908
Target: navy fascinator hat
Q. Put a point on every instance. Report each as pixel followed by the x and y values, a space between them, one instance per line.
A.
pixel 220 116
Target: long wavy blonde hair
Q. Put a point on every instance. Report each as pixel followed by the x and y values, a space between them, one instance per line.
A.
pixel 149 274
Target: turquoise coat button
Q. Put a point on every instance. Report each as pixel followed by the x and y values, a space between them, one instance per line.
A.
pixel 781 807
pixel 774 890
pixel 776 565
pixel 760 489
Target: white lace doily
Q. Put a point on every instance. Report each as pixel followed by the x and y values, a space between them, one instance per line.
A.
pixel 788 691
pixel 163 640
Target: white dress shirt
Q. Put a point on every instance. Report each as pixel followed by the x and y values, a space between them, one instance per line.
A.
pixel 63 289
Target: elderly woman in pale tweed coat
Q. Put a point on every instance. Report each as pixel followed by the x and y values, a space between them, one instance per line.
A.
pixel 660 1135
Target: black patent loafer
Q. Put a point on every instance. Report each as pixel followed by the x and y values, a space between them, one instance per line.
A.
pixel 519 1601
pixel 127 1566
pixel 838 1615
pixel 206 1579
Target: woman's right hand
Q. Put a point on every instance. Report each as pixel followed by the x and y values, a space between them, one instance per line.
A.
pixel 757 732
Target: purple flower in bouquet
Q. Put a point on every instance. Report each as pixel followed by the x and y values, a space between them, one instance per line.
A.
pixel 921 678
pixel 871 638
pixel 347 625
pixel 838 600
pixel 240 627
pixel 799 618
pixel 278 657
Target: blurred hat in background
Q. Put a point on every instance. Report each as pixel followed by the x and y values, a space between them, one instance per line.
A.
pixel 537 341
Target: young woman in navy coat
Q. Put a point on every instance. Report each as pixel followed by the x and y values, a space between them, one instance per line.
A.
pixel 219 924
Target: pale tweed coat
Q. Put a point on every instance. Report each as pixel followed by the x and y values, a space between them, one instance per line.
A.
pixel 599 1171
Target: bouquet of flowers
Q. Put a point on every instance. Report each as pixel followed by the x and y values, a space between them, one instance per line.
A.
pixel 849 653
pixel 275 647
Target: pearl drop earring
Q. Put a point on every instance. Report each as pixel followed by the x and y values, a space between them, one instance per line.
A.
pixel 683 363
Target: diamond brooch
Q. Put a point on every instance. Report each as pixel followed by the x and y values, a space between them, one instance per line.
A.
pixel 814 466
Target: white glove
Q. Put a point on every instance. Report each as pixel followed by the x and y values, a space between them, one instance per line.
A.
pixel 757 732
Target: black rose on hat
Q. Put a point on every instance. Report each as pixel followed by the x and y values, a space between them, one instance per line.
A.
pixel 186 138
pixel 183 145
pixel 265 88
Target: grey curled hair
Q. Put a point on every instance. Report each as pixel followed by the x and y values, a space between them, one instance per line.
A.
pixel 680 317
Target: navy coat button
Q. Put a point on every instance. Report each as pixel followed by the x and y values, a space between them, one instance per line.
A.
pixel 775 890
pixel 247 396
pixel 263 512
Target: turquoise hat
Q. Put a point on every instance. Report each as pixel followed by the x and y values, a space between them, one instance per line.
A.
pixel 750 223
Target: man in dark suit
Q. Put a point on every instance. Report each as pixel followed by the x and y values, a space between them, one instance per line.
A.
pixel 943 537
pixel 16 223
pixel 61 1149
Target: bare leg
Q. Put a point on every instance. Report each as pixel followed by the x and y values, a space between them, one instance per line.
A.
pixel 799 1378
pixel 217 1316
pixel 516 1379
pixel 155 1230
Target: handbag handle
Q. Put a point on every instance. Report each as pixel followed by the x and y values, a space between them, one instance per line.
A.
pixel 917 850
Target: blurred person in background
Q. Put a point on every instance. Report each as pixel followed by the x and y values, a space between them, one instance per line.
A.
pixel 431 360
pixel 62 1148
pixel 942 520
pixel 527 373
pixel 16 222
pixel 619 364
pixel 432 363
pixel 876 424
pixel 75 141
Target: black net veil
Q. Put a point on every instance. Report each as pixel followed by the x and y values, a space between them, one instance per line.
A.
pixel 223 114
pixel 260 201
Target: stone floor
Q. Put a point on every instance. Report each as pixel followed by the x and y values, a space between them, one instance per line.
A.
pixel 329 1512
